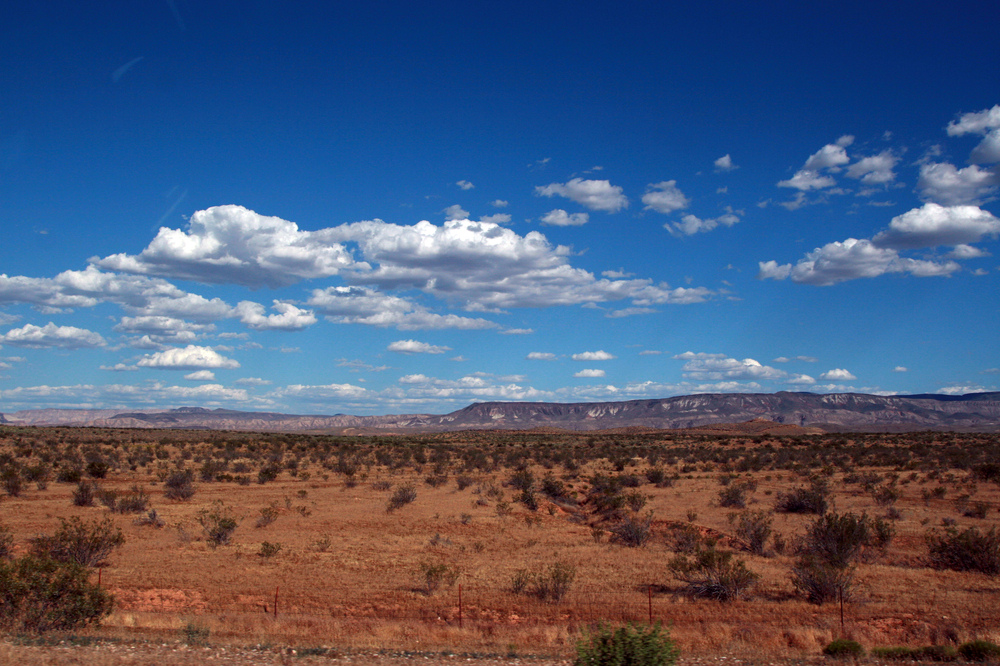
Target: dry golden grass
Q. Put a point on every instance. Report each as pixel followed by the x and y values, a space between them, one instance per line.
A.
pixel 348 574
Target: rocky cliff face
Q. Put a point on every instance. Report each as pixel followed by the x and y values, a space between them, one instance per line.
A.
pixel 832 412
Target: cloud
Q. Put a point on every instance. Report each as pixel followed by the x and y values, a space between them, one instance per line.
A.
pixel 50 335
pixel 465 185
pixel 589 373
pixel 119 367
pixel 929 226
pixel 455 212
pixel 849 260
pixel 900 368
pixel 690 224
pixel 415 347
pixel 932 225
pixel 289 317
pixel 360 305
pixel 724 163
pixel 499 218
pixel 986 122
pixel 599 355
pixel 499 203
pixel 830 157
pixel 540 356
pixel 801 380
pixel 664 197
pixel 875 169
pixel 592 194
pixel 201 376
pixel 120 72
pixel 945 184
pixel 517 331
pixel 962 251
pixel 837 375
pixel 233 245
pixel 560 218
pixel 714 367
pixel 187 358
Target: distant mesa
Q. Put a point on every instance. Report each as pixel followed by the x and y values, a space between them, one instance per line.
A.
pixel 747 414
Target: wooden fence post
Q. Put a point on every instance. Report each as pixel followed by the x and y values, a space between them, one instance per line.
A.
pixel 459 605
pixel 276 601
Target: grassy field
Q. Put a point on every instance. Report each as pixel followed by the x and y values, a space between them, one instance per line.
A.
pixel 507 546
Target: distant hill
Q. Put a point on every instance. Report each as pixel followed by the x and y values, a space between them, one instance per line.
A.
pixel 836 412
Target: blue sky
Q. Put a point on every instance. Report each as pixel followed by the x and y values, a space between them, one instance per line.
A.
pixel 400 207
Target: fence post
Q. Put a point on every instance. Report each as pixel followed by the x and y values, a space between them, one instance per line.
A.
pixel 100 570
pixel 459 605
pixel 275 601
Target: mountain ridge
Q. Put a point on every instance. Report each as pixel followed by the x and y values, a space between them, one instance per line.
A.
pixel 830 412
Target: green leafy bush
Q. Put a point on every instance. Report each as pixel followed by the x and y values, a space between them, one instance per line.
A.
pixel 86 544
pixel 218 523
pixel 844 648
pixel 970 550
pixel 629 645
pixel 41 594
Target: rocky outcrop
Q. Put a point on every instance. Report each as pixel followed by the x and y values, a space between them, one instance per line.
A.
pixel 830 412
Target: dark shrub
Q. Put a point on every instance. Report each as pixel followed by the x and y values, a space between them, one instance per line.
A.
pixel 77 542
pixel 179 486
pixel 69 475
pixel 753 527
pixel 268 473
pixel 6 543
pixel 820 582
pixel 402 496
pixel 970 550
pixel 633 531
pixel 714 574
pixel 97 469
pixel 41 594
pixel 841 540
pixel 812 499
pixel 85 493
pixel 522 479
pixel 629 645
pixel 134 500
pixel 979 650
pixel 10 479
pixel 218 523
pixel 734 495
pixel 844 648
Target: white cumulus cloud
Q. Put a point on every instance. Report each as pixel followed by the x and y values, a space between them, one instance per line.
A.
pixel 187 358
pixel 725 163
pixel 50 335
pixel 837 375
pixel 665 197
pixel 288 318
pixel 932 225
pixel 416 347
pixel 946 184
pixel 560 218
pixel 589 373
pixel 592 194
pixel 541 356
pixel 599 355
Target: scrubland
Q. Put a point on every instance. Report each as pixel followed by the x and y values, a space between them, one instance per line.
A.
pixel 497 543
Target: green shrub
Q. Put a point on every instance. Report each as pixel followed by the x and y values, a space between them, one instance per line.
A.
pixel 86 544
pixel 633 531
pixel 433 576
pixel 895 653
pixel 753 527
pixel 268 549
pixel 629 645
pixel 841 540
pixel 40 594
pixel 401 497
pixel 935 653
pixel 979 650
pixel 734 495
pixel 179 486
pixel 135 500
pixel 550 585
pixel 218 523
pixel 804 500
pixel 970 550
pixel 820 582
pixel 714 574
pixel 844 648
pixel 85 493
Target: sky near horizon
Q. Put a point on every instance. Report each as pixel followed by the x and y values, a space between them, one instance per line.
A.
pixel 390 207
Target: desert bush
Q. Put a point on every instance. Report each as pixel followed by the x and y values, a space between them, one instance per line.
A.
pixel 735 495
pixel 685 539
pixel 135 500
pixel 979 650
pixel 196 633
pixel 628 645
pixel 268 550
pixel 818 581
pixel 37 474
pixel 811 499
pixel 85 493
pixel 633 531
pixel 554 489
pixel 179 486
pixel 69 475
pixel 713 574
pixel 268 473
pixel 433 576
pixel 635 501
pixel 401 497
pixel 937 653
pixel 969 550
pixel 6 543
pixel 151 519
pixel 554 583
pixel 218 523
pixel 885 496
pixel 844 648
pixel 841 540
pixel 41 594
pixel 463 481
pixel 86 544
pixel 97 469
pixel 753 528
pixel 268 515
pixel 10 479
pixel 976 510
